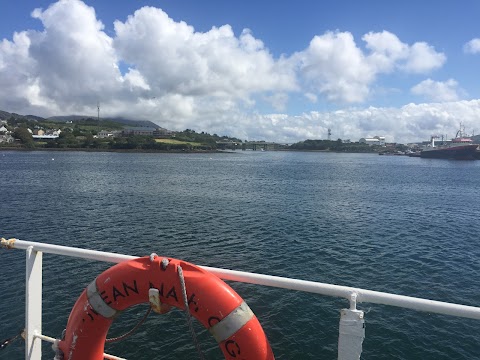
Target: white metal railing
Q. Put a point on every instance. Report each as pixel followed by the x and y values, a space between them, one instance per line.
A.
pixel 351 330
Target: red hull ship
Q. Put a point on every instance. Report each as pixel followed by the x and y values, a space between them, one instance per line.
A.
pixel 460 148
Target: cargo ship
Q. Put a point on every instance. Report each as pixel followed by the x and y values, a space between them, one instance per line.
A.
pixel 459 148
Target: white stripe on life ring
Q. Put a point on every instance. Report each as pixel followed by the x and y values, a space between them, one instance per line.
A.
pixel 233 322
pixel 97 303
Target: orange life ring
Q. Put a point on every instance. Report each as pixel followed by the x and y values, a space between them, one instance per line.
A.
pixel 210 300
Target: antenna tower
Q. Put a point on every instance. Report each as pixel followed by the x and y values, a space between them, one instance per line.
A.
pixel 98 115
pixel 329 134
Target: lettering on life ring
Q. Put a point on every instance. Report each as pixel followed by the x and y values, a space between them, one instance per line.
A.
pixel 210 300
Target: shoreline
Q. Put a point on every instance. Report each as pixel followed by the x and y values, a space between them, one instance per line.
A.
pixel 111 150
pixel 170 151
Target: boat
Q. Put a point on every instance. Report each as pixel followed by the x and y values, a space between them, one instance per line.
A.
pixel 390 153
pixel 459 148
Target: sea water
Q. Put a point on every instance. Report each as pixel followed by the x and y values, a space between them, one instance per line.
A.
pixel 404 225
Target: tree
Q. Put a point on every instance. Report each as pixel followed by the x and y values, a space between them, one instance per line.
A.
pixel 66 138
pixel 24 136
pixel 89 141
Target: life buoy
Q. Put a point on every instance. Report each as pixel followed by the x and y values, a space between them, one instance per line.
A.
pixel 210 300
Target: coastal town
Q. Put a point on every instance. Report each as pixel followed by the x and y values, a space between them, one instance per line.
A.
pixel 31 132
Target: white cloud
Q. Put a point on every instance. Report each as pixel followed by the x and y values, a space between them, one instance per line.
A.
pixel 334 66
pixel 16 68
pixel 311 97
pixel 385 50
pixel 472 47
pixel 176 59
pixel 136 80
pixel 388 53
pixel 410 123
pixel 423 58
pixel 66 67
pixel 75 60
pixel 215 80
pixel 438 91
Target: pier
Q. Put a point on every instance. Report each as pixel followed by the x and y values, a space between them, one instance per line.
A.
pixel 251 145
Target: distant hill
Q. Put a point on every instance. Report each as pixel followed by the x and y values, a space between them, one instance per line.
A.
pixel 128 122
pixel 34 117
pixel 5 115
pixel 67 118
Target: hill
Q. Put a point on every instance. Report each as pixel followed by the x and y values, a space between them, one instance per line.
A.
pixel 5 115
pixel 34 118
pixel 127 122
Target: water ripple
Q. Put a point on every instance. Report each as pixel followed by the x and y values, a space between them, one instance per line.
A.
pixel 392 224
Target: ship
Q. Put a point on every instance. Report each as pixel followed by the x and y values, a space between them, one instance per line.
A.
pixel 459 148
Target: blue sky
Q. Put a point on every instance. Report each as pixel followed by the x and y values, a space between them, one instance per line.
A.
pixel 273 70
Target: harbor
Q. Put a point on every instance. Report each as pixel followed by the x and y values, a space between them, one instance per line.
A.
pixel 334 219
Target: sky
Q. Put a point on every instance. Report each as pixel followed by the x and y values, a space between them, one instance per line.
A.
pixel 282 71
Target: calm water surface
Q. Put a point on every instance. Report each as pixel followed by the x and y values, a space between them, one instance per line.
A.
pixel 404 225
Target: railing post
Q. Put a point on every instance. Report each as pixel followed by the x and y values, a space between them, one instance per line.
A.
pixel 351 332
pixel 33 304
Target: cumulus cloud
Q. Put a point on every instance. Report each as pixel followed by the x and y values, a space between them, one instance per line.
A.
pixel 155 68
pixel 438 90
pixel 16 68
pixel 74 58
pixel 409 123
pixel 215 63
pixel 335 66
pixel 64 67
pixel 423 58
pixel 73 63
pixel 472 47
pixel 386 50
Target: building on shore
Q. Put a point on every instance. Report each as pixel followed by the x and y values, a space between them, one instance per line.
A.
pixel 376 140
pixel 148 131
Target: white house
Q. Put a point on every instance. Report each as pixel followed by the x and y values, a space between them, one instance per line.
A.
pixel 3 130
pixel 108 134
pixel 6 139
pixel 376 140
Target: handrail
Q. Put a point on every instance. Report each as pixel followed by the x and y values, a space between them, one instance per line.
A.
pixel 362 295
pixel 351 328
pixel 53 340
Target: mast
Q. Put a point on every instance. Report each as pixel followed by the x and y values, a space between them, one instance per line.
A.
pixel 98 114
